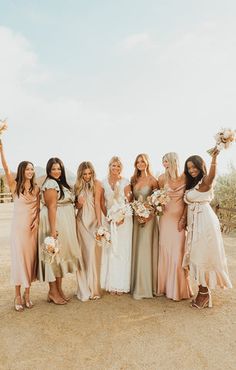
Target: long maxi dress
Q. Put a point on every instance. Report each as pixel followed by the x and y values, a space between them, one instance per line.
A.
pixel 144 277
pixel 204 253
pixel 86 222
pixel 116 260
pixel 24 240
pixel 173 280
pixel 70 256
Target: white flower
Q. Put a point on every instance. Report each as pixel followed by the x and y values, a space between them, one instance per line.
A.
pixel 119 211
pixel 3 126
pixel 224 138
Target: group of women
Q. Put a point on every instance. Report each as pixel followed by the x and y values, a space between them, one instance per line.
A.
pixel 147 257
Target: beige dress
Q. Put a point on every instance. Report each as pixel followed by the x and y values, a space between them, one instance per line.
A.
pixel 173 280
pixel 70 256
pixel 86 221
pixel 204 254
pixel 24 240
pixel 144 253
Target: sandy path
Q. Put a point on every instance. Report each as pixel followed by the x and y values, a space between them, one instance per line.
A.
pixel 115 332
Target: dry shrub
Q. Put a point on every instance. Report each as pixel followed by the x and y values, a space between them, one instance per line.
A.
pixel 225 197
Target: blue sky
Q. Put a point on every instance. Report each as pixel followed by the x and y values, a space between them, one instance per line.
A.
pixel 86 80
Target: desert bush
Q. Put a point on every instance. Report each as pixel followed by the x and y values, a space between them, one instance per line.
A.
pixel 225 197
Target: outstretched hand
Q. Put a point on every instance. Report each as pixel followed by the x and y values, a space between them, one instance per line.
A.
pixel 215 152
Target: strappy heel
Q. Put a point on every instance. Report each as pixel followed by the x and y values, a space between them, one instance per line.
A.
pixel 18 307
pixel 207 303
pixel 51 299
pixel 28 303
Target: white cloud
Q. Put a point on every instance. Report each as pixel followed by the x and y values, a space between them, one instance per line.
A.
pixel 138 40
pixel 173 101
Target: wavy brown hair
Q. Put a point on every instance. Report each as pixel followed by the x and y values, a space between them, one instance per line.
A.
pixel 137 173
pixel 20 178
pixel 80 184
pixel 200 165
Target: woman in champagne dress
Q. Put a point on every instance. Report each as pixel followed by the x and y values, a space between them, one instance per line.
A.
pixel 24 229
pixel 204 254
pixel 116 260
pixel 173 280
pixel 88 199
pixel 57 219
pixel 145 235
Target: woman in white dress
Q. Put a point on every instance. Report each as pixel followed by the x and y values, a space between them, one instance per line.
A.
pixel 116 260
pixel 204 254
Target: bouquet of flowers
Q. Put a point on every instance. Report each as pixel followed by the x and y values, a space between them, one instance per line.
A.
pixel 224 138
pixel 142 210
pixel 3 127
pixel 158 200
pixel 103 237
pixel 118 212
pixel 50 249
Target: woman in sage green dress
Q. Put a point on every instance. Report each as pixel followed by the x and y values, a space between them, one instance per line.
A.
pixel 57 219
pixel 145 234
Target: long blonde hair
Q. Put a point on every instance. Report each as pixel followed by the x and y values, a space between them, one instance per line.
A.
pixel 80 184
pixel 171 173
pixel 137 173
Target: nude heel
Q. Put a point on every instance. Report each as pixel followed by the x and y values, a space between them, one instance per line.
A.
pixel 18 307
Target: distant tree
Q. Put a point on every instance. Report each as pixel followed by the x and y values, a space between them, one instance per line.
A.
pixel 225 196
pixel 2 188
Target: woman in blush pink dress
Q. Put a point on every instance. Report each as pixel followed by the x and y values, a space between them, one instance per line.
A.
pixel 24 229
pixel 172 278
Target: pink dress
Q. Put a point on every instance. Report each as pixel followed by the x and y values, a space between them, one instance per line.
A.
pixel 172 278
pixel 24 240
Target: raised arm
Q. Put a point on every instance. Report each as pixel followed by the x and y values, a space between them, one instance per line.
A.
pixel 50 198
pixel 208 180
pixel 10 179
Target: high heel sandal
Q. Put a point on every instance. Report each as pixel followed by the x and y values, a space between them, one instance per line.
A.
pixel 28 303
pixel 18 307
pixel 51 299
pixel 207 303
pixel 95 297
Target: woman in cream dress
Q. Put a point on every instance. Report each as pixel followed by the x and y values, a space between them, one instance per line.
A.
pixel 145 235
pixel 116 260
pixel 57 219
pixel 88 198
pixel 24 229
pixel 204 255
pixel 173 280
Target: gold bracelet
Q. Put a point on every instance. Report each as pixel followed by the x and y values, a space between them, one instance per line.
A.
pixel 213 164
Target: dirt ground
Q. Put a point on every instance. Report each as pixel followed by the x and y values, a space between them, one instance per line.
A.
pixel 115 332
